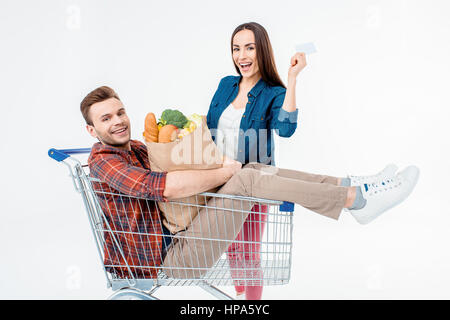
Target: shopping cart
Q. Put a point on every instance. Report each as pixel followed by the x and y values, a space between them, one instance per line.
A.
pixel 265 261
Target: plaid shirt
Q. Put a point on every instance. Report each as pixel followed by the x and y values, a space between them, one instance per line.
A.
pixel 127 197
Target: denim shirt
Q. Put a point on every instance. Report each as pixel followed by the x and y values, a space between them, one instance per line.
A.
pixel 263 116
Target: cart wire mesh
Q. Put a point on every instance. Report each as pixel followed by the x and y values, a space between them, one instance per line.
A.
pixel 260 254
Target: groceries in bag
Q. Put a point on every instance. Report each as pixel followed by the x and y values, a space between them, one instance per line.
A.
pixel 183 143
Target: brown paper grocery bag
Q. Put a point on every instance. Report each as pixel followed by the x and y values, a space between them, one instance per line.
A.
pixel 196 151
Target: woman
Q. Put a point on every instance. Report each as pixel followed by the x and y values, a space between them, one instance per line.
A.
pixel 243 112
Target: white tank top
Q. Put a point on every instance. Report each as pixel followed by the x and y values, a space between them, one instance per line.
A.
pixel 228 131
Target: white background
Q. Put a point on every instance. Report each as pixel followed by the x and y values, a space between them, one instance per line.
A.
pixel 375 92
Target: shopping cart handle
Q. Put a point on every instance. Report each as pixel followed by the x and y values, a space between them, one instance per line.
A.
pixel 60 155
pixel 287 206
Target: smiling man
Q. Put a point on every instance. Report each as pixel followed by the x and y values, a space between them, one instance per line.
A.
pixel 123 167
pixel 122 164
pixel 107 120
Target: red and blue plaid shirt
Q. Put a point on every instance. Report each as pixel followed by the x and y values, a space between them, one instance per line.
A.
pixel 127 197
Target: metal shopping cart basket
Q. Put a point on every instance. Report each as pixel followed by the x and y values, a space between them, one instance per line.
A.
pixel 259 255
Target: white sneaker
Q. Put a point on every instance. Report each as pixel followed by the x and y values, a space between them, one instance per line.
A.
pixel 387 172
pixel 386 194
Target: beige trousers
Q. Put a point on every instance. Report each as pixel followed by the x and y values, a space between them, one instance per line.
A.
pixel 191 257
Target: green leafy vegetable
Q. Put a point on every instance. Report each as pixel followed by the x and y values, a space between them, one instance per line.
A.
pixel 175 117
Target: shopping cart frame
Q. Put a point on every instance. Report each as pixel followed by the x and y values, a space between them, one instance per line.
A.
pixel 143 289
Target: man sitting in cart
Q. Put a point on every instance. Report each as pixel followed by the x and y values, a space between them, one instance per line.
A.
pixel 122 164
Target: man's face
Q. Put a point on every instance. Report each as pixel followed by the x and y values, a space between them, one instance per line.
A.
pixel 110 123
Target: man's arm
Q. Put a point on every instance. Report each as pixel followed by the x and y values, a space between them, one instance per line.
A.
pixel 180 184
pixel 125 178
pixel 159 186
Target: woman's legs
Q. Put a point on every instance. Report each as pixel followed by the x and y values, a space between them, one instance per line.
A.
pixel 234 256
pixel 308 190
pixel 195 250
pixel 244 255
pixel 294 174
pixel 304 176
pixel 253 235
pixel 213 230
pixel 250 228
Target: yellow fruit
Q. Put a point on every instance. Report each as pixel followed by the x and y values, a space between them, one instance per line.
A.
pixel 192 126
pixel 183 132
pixel 196 118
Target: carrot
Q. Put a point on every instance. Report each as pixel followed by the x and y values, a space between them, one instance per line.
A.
pixel 167 133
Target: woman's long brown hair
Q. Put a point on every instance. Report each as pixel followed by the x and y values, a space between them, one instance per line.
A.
pixel 264 53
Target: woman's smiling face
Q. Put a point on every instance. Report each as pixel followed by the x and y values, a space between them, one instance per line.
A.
pixel 244 53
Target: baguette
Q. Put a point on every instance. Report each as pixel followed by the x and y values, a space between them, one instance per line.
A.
pixel 151 128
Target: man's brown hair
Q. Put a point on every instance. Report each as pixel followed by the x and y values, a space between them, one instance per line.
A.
pixel 98 95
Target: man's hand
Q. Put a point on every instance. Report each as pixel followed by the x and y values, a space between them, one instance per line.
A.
pixel 185 183
pixel 232 166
